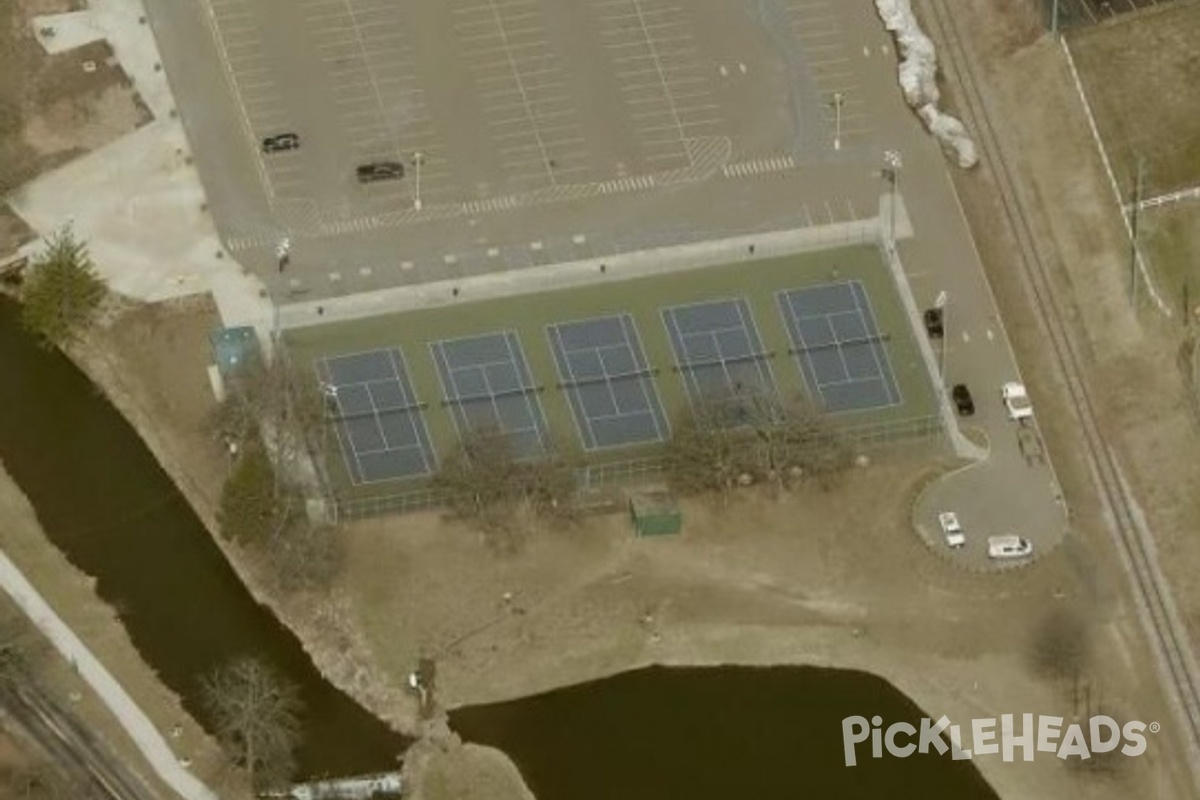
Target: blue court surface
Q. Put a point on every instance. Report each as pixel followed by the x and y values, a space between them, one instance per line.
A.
pixel 609 385
pixel 377 418
pixel 487 385
pixel 718 352
pixel 839 347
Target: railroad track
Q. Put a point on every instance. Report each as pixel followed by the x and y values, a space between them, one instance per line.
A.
pixel 98 774
pixel 1157 609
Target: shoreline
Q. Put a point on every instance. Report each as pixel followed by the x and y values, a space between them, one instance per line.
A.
pixel 71 595
pixel 334 635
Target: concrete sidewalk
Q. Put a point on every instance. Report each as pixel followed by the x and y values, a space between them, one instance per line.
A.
pixel 138 202
pixel 136 724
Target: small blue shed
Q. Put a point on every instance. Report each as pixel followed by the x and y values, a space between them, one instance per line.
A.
pixel 233 347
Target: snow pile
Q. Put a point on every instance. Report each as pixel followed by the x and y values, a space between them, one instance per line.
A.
pixel 918 80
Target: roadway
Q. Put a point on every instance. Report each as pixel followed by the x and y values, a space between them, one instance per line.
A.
pixel 1133 542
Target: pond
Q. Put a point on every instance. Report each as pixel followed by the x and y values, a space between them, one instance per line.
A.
pixel 105 502
pixel 714 734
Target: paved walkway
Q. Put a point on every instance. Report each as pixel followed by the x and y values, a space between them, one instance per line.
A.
pixel 138 201
pixel 135 722
pixel 677 258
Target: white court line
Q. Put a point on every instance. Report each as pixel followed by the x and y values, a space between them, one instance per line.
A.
pixel 869 314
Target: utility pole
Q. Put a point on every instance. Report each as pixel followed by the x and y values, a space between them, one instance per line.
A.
pixel 838 99
pixel 417 159
pixel 940 303
pixel 283 252
pixel 1138 189
pixel 1054 19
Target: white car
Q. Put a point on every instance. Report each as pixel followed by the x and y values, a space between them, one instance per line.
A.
pixel 1016 400
pixel 1009 547
pixel 951 529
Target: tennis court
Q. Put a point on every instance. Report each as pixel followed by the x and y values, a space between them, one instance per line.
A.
pixel 718 351
pixel 609 385
pixel 838 346
pixel 376 416
pixel 487 385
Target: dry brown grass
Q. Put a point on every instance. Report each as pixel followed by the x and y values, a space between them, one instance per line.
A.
pixel 51 111
pixel 1142 78
pixel 462 772
pixel 1129 357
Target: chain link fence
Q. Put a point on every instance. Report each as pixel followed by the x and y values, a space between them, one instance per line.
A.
pixel 871 437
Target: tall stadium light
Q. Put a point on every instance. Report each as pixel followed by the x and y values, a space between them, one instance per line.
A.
pixel 891 159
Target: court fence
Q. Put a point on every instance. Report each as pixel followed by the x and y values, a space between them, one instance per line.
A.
pixel 866 438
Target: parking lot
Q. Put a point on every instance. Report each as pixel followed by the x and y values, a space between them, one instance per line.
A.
pixel 520 122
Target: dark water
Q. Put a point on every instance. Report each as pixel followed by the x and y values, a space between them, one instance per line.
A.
pixel 105 502
pixel 714 734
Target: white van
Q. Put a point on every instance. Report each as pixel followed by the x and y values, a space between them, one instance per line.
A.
pixel 1009 547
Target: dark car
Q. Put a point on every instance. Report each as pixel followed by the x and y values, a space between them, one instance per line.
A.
pixel 963 400
pixel 933 323
pixel 280 142
pixel 380 171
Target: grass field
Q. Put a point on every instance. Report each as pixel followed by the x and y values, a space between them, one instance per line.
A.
pixel 1142 79
pixel 643 298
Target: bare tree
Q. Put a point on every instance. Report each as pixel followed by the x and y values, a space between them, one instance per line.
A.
pixel 725 440
pixel 256 714
pixel 484 480
pixel 806 443
pixel 274 399
pixel 702 454
pixel 1061 646
pixel 303 556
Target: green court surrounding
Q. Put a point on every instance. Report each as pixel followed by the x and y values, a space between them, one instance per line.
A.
pixel 759 283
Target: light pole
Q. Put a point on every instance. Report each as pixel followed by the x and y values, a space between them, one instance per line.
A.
pixel 283 252
pixel 838 99
pixel 940 304
pixel 891 171
pixel 417 159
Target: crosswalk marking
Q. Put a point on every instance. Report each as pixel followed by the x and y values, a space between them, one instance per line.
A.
pixel 760 166
pixel 707 152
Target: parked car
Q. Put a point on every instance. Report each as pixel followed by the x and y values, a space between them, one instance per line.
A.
pixel 280 142
pixel 380 171
pixel 951 529
pixel 963 401
pixel 1009 547
pixel 1016 400
pixel 934 325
